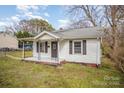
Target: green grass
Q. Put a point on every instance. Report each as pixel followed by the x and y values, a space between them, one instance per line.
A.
pixel 19 53
pixel 15 73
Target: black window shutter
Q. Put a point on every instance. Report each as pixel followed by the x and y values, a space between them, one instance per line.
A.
pixel 41 45
pixel 84 47
pixel 37 45
pixel 70 47
pixel 46 47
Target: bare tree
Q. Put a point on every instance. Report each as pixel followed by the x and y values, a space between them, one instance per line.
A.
pixel 115 17
pixel 78 24
pixel 90 13
pixel 110 16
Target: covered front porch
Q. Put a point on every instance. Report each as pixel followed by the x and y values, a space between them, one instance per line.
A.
pixel 42 60
pixel 45 49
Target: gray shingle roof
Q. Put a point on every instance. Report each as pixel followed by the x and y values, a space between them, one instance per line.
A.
pixel 93 32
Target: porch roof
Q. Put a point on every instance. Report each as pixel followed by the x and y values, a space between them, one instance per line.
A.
pixel 48 33
pixel 26 39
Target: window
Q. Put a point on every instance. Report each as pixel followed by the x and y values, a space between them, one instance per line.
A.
pixel 54 46
pixel 77 47
pixel 84 47
pixel 70 47
pixel 42 47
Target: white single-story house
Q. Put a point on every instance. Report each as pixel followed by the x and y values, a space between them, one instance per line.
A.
pixel 74 45
pixel 8 41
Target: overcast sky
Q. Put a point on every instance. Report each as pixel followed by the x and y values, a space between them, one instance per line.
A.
pixel 55 15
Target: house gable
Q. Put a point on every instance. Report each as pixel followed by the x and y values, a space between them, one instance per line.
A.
pixel 46 35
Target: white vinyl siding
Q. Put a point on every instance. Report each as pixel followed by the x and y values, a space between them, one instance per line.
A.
pixel 92 52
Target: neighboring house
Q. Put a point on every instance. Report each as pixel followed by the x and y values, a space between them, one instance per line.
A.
pixel 8 41
pixel 75 45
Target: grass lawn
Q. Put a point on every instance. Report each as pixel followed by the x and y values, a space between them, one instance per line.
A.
pixel 15 73
pixel 19 53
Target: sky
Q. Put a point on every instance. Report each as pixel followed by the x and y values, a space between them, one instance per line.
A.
pixel 55 15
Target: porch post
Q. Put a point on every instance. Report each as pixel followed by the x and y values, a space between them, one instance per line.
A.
pixel 58 51
pixel 38 50
pixel 23 49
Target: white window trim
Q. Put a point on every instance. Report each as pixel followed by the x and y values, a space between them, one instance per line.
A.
pixel 81 46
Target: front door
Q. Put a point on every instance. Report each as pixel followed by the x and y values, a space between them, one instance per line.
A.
pixel 54 48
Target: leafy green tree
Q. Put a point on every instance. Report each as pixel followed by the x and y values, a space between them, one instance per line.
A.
pixel 34 26
pixel 23 34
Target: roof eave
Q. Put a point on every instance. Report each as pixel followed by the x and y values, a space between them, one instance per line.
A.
pixel 82 38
